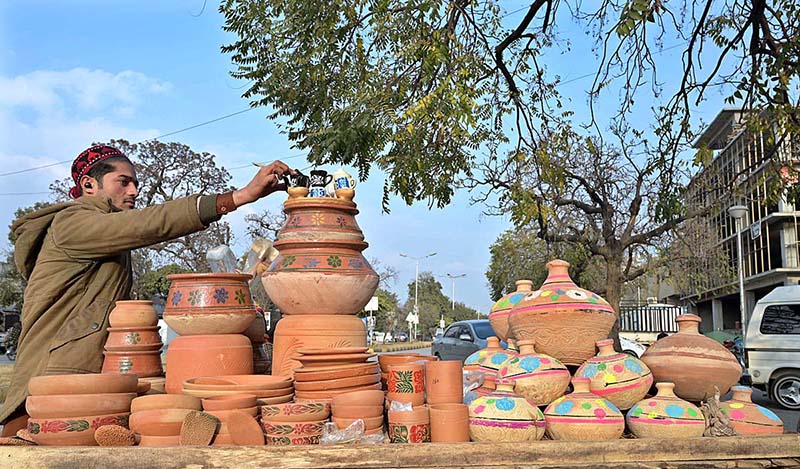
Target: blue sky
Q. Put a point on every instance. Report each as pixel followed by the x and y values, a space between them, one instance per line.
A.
pixel 77 71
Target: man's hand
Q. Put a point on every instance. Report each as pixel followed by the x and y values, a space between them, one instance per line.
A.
pixel 265 182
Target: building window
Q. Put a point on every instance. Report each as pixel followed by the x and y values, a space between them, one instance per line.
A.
pixel 782 319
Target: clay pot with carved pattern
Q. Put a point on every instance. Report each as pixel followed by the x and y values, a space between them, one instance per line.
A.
pixel 209 303
pixel 295 332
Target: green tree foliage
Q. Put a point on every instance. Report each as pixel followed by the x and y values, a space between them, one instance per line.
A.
pixel 433 305
pixel 155 283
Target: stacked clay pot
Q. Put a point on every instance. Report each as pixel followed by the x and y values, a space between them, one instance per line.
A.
pixel 207 355
pixel 537 377
pixel 410 426
pixel 294 423
pixel 498 315
pixel 665 416
pixel 564 319
pixel 65 410
pixel 621 378
pixel 504 416
pixel 582 415
pixel 157 419
pixel 326 373
pixel 748 418
pixel 444 382
pixel 364 405
pixel 320 279
pixel 406 383
pixel 134 344
pixel 490 359
pixel 449 423
pixel 387 360
pixel 267 389
pixel 222 407
pixel 694 362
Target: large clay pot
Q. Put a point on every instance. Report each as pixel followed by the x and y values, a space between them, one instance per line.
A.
pixel 406 383
pixel 449 423
pixel 133 313
pixel 564 319
pixel 74 405
pixel 488 360
pixel 694 362
pixel 665 416
pixel 504 416
pixel 72 431
pixel 209 303
pixel 313 330
pixel 192 356
pixel 581 416
pixel 747 418
pixel 314 218
pixel 498 315
pixel 444 382
pixel 412 426
pixel 142 364
pixel 538 377
pixel 621 378
pixel 88 383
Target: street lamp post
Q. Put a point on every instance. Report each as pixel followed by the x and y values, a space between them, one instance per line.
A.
pixel 416 285
pixel 738 213
pixel 453 278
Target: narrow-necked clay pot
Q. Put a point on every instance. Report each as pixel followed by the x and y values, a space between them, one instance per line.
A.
pixel 370 423
pixel 444 382
pixel 538 377
pixel 498 315
pixel 337 383
pixel 82 384
pixel 665 416
pixel 133 313
pixel 748 418
pixel 406 383
pixel 75 405
pixel 449 423
pixel 140 364
pixel 209 303
pixel 412 426
pixel 72 431
pixel 357 411
pixel 371 398
pixel 488 360
pixel 336 372
pixel 581 415
pixel 505 416
pixel 133 339
pixel 621 378
pixel 207 355
pixel 159 422
pixel 165 401
pixel 296 412
pixel 234 401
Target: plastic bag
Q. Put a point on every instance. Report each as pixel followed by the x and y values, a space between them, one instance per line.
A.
pixel 221 259
pixel 353 434
pixel 397 406
pixel 472 380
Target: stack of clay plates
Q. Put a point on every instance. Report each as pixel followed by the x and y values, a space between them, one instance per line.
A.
pixel 329 372
pixel 267 389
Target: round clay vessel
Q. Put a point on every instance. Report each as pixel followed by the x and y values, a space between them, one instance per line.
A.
pixel 133 339
pixel 160 440
pixel 316 218
pixel 241 383
pixel 141 364
pixel 449 423
pixel 82 384
pixel 357 411
pixel 165 401
pixel 337 383
pixel 621 378
pixel 498 315
pixel 537 377
pixel 564 319
pixel 335 372
pixel 234 401
pixel 72 431
pixel 412 426
pixel 313 330
pixel 504 416
pixel 209 303
pixel 370 423
pixel 207 355
pixel 331 393
pixel 665 416
pixel 582 415
pixel 487 387
pixel 370 398
pixel 406 383
pixel 296 412
pixel 283 428
pixel 748 418
pixel 75 405
pixel 694 362
pixel 488 360
pixel 158 422
pixel 444 382
pixel 133 313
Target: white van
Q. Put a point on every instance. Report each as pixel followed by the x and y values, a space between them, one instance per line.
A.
pixel 772 346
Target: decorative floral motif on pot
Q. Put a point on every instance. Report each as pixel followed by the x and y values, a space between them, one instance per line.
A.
pixel 176 298
pixel 75 425
pixel 399 433
pixel 406 381
pixel 621 378
pixel 221 295
pixel 748 418
pixel 334 261
pixel 505 416
pixel 665 416
pixel 320 262
pixel 132 338
pixel 240 297
pixel 195 297
pixel 537 377
pixel 583 415
pixel 498 315
pixel 218 303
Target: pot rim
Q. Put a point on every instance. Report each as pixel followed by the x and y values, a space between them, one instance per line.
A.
pixel 209 275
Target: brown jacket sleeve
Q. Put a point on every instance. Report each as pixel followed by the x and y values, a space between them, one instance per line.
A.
pixel 86 232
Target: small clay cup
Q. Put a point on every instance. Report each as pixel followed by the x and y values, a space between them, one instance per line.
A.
pixel 449 423
pixel 444 382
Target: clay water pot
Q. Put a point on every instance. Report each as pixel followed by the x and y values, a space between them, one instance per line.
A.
pixel 488 360
pixel 694 362
pixel 504 416
pixel 748 418
pixel 621 378
pixel 370 423
pixel 313 330
pixel 75 405
pixel 412 426
pixel 665 416
pixel 370 398
pixel 209 303
pixel 234 401
pixel 141 364
pixel 538 377
pixel 165 401
pixel 582 415
pixel 82 384
pixel 192 356
pixel 158 422
pixel 296 412
pixel 133 339
pixel 133 313
pixel 317 218
pixel 485 389
pixel 498 315
pixel 406 383
pixel 564 319
pixel 72 431
pixel 449 423
pixel 444 382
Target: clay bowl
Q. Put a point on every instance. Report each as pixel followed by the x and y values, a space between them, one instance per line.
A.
pixel 133 313
pixel 276 428
pixel 75 405
pixel 159 422
pixel 333 359
pixel 145 440
pixel 82 384
pixel 370 423
pixel 240 383
pixel 337 383
pixel 266 393
pixel 165 401
pixel 140 364
pixel 331 351
pixel 357 411
pixel 296 411
pixel 223 415
pixel 334 372
pixel 362 398
pixel 209 303
pixel 133 339
pixel 331 393
pixel 233 401
pixel 72 431
pixel 274 400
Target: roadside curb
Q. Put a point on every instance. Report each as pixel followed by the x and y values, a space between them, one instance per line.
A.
pixel 400 348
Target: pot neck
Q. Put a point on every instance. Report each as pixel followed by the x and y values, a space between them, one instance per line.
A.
pixel 688 324
pixel 665 390
pixel 742 394
pixel 493 343
pixel 524 286
pixel 527 347
pixel 581 385
pixel 605 348
pixel 489 382
pixel 505 385
pixel 558 273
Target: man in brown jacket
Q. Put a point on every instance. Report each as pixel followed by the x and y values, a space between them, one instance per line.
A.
pixel 76 257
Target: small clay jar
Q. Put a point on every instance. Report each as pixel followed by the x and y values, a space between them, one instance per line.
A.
pixel 538 377
pixel 490 359
pixel 581 416
pixel 621 378
pixel 449 423
pixel 444 382
pixel 412 426
pixel 406 383
pixel 665 416
pixel 142 364
pixel 504 416
pixel 498 315
pixel 133 313
pixel 748 418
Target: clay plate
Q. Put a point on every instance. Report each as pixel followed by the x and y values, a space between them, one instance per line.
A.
pixel 332 359
pixel 241 383
pixel 337 368
pixel 331 351
pixel 337 383
pixel 274 400
pixel 329 394
pixel 265 393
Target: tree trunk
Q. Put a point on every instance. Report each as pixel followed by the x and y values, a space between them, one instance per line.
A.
pixel 613 294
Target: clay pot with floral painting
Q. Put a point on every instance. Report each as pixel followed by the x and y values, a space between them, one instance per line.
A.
pixel 72 431
pixel 505 416
pixel 665 416
pixel 489 359
pixel 142 339
pixel 564 319
pixel 209 303
pixel 748 418
pixel 582 415
pixel 413 426
pixel 133 313
pixel 192 356
pixel 406 383
pixel 538 377
pixel 621 378
pixel 498 315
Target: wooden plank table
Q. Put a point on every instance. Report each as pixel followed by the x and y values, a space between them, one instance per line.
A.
pixel 764 451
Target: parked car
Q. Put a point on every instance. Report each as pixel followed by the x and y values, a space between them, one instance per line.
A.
pixel 772 346
pixel 631 347
pixel 401 337
pixel 461 339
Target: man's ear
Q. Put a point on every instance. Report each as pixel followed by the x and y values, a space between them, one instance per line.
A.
pixel 88 185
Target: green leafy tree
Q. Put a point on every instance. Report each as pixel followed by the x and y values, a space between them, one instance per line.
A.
pixel 433 305
pixel 155 283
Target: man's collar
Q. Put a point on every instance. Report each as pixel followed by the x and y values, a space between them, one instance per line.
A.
pixel 102 203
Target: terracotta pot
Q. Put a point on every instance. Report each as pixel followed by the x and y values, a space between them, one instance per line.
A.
pixel 207 355
pixel 406 383
pixel 410 426
pixel 335 372
pixel 317 218
pixel 209 303
pixel 296 412
pixel 504 416
pixel 748 418
pixel 294 440
pixel 260 394
pixel 444 382
pixel 621 378
pixel 133 339
pixel 277 428
pixel 140 364
pixel 370 423
pixel 160 440
pixel 665 416
pixel 484 389
pixel 537 377
pixel 82 384
pixel 490 359
pixel 75 405
pixel 449 423
pixel 582 415
pixel 331 393
pixel 133 313
pixel 357 411
pixel 307 330
pixel 72 431
pixel 333 359
pixel 234 401
pixel 337 383
pixel 498 315
pixel 224 415
pixel 241 383
pixel 694 362
pixel 158 422
pixel 564 319
pixel 370 398
pixel 165 401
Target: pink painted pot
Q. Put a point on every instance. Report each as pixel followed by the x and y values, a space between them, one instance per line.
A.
pixel 665 416
pixel 538 377
pixel 748 418
pixel 582 415
pixel 621 378
pixel 490 359
pixel 498 315
pixel 504 416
